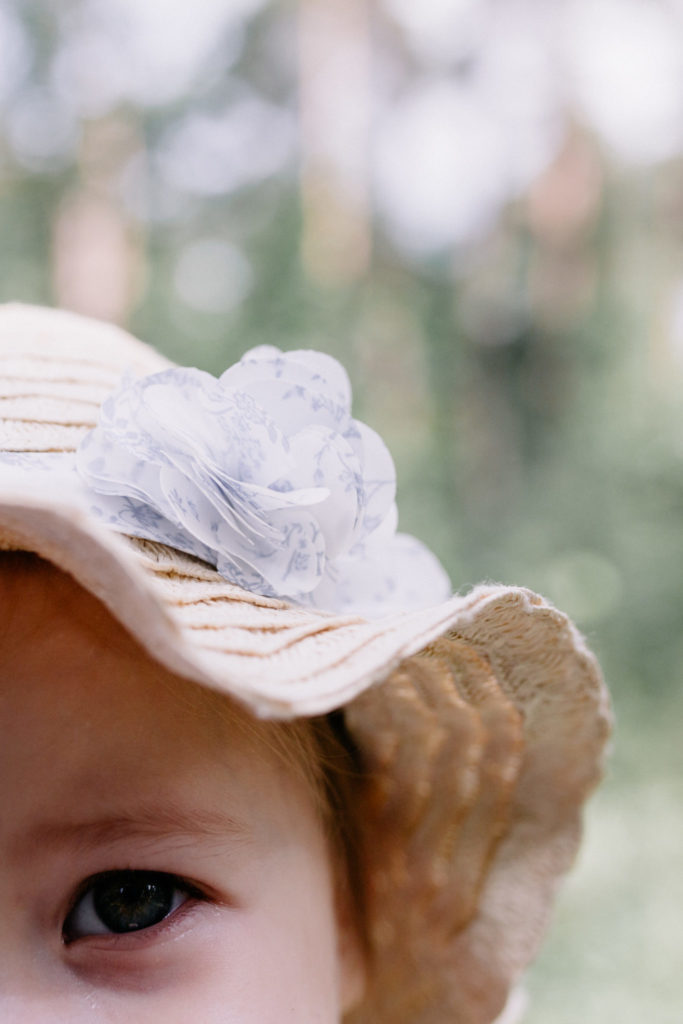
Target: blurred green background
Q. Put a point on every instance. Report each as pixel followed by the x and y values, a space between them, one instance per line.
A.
pixel 478 206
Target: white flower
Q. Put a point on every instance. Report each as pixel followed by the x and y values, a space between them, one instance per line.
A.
pixel 265 474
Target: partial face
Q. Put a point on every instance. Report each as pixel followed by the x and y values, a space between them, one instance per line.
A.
pixel 158 861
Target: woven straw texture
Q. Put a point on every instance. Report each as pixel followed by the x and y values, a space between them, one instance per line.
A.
pixel 481 723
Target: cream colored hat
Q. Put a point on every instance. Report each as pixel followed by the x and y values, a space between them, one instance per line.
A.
pixel 481 720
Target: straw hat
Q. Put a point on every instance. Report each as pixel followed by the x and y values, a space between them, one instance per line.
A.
pixel 481 720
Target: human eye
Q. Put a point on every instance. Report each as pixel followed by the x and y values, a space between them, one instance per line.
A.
pixel 120 902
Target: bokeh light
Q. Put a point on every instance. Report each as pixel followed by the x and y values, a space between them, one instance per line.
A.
pixel 477 205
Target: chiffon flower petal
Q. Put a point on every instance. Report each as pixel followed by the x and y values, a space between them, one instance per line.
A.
pixel 315 371
pixel 265 474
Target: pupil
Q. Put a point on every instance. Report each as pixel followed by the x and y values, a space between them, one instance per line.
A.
pixel 130 900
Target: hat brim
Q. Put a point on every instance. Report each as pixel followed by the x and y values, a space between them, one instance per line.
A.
pixel 486 716
pixel 481 722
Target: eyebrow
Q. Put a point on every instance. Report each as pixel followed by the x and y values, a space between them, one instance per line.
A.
pixel 148 821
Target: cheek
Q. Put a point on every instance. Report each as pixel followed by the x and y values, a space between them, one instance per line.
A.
pixel 270 961
pixel 281 963
pixel 296 934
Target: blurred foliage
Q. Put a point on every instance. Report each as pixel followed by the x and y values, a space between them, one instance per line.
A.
pixel 526 379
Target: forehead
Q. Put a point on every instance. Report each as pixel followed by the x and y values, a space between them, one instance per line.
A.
pixel 60 646
pixel 85 712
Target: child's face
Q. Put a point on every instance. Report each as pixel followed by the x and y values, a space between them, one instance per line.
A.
pixel 156 862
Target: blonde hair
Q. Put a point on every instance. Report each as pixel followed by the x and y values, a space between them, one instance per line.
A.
pixel 323 757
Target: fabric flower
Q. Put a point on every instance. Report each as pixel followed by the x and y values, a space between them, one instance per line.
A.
pixel 265 474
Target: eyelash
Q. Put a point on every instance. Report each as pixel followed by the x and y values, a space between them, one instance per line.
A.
pixel 74 931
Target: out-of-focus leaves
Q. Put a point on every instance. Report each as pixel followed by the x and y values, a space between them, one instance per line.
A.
pixel 511 315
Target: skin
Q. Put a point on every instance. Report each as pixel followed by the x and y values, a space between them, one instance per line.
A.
pixel 108 763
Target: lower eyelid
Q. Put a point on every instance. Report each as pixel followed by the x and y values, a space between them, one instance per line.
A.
pixel 91 928
pixel 172 926
pixel 86 922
